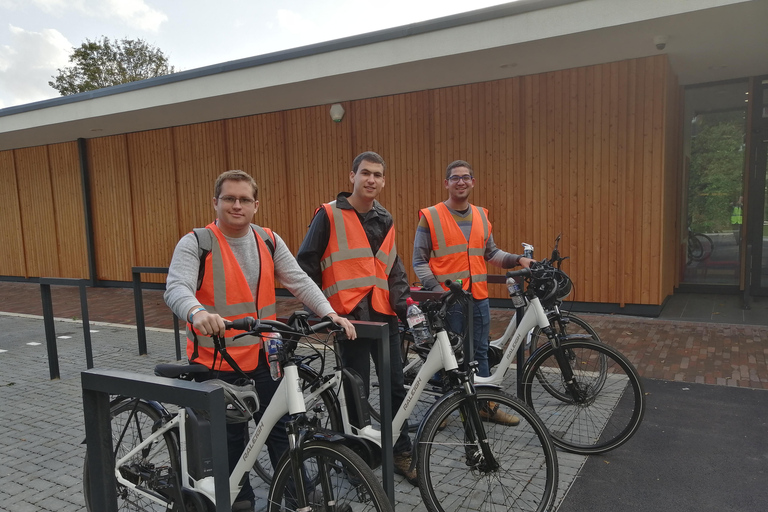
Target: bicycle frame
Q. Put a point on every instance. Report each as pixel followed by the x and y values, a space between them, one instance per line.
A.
pixel 289 388
pixel 534 315
pixel 440 357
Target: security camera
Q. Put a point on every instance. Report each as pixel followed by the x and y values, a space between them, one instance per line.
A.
pixel 660 42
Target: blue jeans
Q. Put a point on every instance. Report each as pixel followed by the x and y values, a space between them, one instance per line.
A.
pixel 481 330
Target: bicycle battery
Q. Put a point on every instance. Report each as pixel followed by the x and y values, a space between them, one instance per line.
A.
pixel 357 399
pixel 199 450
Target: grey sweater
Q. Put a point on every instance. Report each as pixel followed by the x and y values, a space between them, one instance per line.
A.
pixel 181 283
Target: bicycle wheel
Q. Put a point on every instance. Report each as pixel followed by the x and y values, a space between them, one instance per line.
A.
pixel 695 250
pixel 454 479
pixel 610 403
pixel 324 406
pixel 563 324
pixel 707 245
pixel 151 470
pixel 343 481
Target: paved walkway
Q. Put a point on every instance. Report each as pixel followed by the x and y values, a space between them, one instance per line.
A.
pixel 41 420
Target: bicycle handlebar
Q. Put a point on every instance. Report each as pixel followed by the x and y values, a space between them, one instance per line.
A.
pixel 255 326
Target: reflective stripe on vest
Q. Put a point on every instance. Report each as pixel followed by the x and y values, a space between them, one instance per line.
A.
pixel 225 291
pixel 349 269
pixel 453 256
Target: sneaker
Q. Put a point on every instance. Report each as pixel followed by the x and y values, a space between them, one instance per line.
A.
pixel 242 506
pixel 403 467
pixel 490 412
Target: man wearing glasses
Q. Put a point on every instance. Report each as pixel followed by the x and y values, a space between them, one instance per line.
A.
pixel 226 271
pixel 453 241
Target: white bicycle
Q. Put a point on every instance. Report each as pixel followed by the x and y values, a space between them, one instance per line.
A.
pixel 158 456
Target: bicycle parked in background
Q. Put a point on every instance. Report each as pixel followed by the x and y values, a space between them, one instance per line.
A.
pixel 157 452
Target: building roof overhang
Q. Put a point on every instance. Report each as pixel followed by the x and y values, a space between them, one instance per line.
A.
pixel 707 40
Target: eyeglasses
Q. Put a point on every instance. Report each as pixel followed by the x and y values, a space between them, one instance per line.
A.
pixel 467 178
pixel 244 201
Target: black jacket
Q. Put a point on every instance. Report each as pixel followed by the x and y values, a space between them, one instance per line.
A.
pixel 376 224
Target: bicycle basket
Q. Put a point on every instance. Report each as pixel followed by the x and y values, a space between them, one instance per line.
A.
pixel 242 401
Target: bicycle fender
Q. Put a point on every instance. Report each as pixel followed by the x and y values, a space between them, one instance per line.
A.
pixel 367 450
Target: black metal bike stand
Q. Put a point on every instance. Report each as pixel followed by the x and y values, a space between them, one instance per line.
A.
pixel 138 303
pixel 50 328
pixel 99 384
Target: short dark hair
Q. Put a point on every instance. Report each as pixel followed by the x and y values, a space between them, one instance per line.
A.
pixel 368 156
pixel 235 175
pixel 458 163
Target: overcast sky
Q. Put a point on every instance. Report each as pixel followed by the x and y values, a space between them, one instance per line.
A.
pixel 37 36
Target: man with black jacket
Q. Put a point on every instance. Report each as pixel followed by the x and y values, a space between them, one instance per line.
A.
pixel 349 251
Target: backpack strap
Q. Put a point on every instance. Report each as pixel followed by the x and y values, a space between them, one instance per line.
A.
pixel 204 246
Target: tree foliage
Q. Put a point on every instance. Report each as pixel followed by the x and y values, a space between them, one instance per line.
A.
pixel 717 163
pixel 103 63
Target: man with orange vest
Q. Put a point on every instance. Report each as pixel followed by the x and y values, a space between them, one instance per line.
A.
pixel 349 251
pixel 227 271
pixel 453 241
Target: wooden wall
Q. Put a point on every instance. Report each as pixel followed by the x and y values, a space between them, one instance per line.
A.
pixel 590 152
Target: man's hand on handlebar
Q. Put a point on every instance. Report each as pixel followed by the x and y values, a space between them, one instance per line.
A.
pixel 208 324
pixel 342 322
pixel 525 262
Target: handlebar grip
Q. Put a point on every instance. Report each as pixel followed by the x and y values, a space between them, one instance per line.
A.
pixel 241 324
pixel 523 272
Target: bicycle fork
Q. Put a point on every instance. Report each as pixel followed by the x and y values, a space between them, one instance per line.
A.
pixel 572 387
pixel 478 451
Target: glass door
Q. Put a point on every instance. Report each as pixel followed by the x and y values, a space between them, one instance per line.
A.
pixel 758 212
pixel 714 137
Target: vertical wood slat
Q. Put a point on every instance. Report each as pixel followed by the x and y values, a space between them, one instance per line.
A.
pixel 64 163
pixel 38 220
pixel 580 151
pixel 12 260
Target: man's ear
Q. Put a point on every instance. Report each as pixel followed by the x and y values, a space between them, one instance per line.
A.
pixel 351 176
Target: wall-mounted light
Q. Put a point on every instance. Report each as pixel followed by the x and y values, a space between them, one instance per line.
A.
pixel 660 42
pixel 337 112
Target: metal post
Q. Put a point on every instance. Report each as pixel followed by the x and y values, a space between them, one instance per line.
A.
pixel 138 302
pixel 86 325
pixel 50 331
pixel 176 337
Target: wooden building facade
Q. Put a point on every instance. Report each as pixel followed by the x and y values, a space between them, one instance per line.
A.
pixel 590 152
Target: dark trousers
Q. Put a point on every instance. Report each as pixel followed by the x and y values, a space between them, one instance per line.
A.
pixel 238 434
pixel 356 354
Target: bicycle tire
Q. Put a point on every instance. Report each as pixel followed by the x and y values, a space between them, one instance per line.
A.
pixel 695 249
pixel 612 402
pixel 564 324
pixel 325 406
pixel 450 478
pixel 159 457
pixel 342 477
pixel 707 245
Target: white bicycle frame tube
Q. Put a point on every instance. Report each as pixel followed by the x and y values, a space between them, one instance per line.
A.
pixel 534 315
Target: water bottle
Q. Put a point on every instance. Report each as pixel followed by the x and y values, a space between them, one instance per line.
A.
pixel 417 323
pixel 273 344
pixel 515 292
pixel 527 250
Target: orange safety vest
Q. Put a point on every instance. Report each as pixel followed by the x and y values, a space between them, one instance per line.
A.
pixel 452 256
pixel 224 291
pixel 349 269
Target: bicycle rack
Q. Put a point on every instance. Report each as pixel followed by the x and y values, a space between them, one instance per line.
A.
pixel 50 328
pixel 98 385
pixel 138 302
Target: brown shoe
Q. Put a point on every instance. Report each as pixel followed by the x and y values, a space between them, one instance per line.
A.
pixel 403 467
pixel 490 412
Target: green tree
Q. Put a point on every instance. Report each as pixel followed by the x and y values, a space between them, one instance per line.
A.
pixel 103 63
pixel 717 162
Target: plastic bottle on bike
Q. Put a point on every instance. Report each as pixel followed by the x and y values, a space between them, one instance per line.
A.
pixel 417 323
